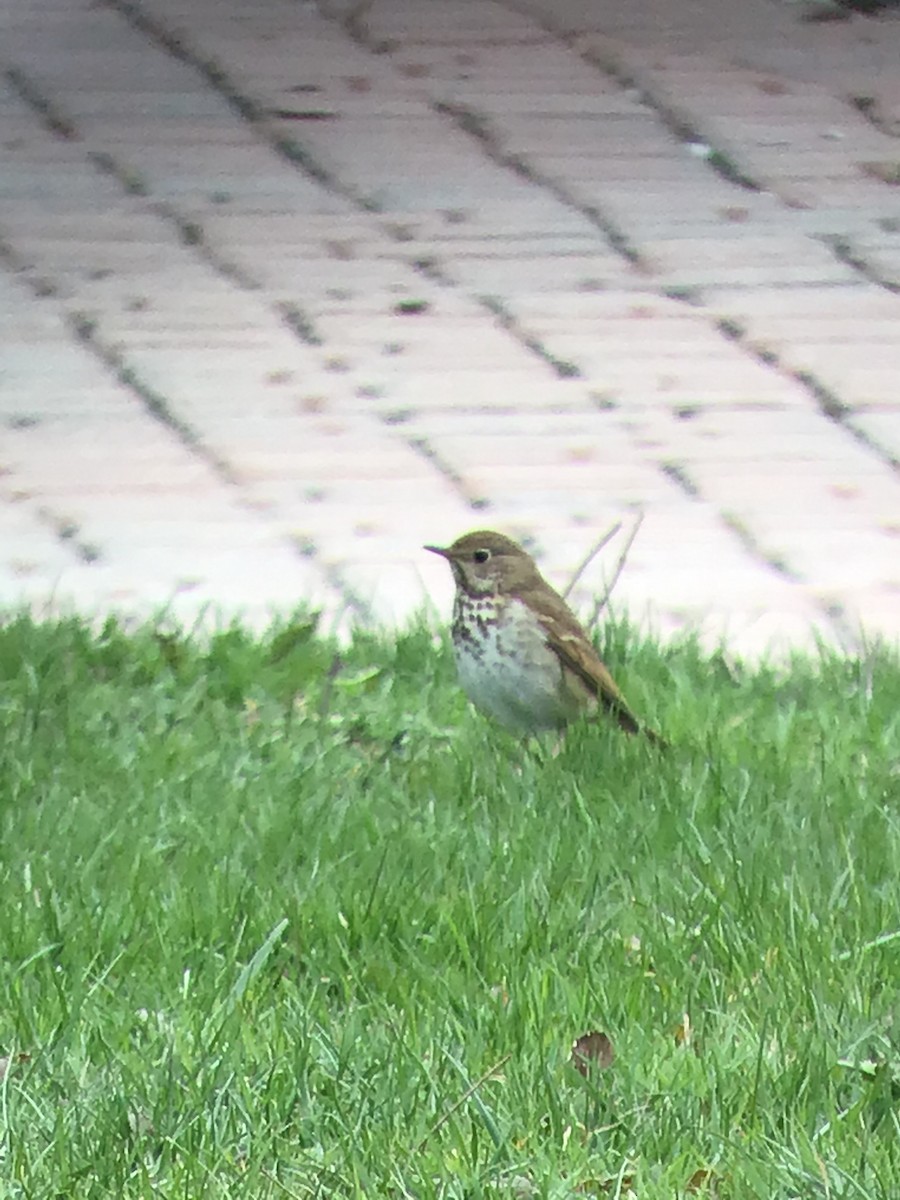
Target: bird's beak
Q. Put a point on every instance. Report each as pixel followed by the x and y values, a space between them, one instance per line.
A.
pixel 438 550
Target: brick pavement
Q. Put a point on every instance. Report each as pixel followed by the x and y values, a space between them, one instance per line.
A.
pixel 288 289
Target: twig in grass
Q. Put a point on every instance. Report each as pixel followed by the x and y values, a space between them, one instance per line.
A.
pixel 602 602
pixel 591 555
pixel 467 1094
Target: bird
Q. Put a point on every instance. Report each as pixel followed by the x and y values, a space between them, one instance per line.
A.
pixel 522 657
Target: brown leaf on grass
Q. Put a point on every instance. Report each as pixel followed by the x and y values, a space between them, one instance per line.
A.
pixel 620 1184
pixel 7 1062
pixel 686 1036
pixel 703 1180
pixel 591 1051
pixel 683 1032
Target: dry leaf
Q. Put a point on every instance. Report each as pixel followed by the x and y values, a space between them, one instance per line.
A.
pixel 620 1184
pixel 6 1063
pixel 499 992
pixel 703 1180
pixel 683 1031
pixel 592 1050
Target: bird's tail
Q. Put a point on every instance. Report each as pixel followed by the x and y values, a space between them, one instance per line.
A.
pixel 629 722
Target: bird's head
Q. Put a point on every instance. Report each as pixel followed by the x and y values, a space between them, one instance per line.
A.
pixel 485 563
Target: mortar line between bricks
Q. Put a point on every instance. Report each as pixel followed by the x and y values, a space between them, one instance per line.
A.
pixel 828 404
pixel 687 131
pixel 627 79
pixel 251 112
pixel 298 321
pixel 85 330
pixel 478 126
pixel 190 232
pixel 842 248
pixel 509 321
pixel 717 160
pixel 246 108
pixel 423 447
pixel 469 121
pixel 49 114
pixel 868 109
pixel 432 270
pixel 84 326
pixel 62 130
pixel 292 315
pixel 679 475
pixel 192 236
pixel 65 530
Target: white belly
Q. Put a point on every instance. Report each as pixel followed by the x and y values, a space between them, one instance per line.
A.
pixel 514 677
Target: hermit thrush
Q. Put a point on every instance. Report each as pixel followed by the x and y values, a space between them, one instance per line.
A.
pixel 521 654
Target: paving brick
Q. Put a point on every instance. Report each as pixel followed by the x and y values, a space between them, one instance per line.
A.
pixel 854 302
pixel 379 432
pixel 465 390
pixel 883 427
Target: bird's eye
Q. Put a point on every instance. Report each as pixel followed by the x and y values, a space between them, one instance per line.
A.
pixel 481 556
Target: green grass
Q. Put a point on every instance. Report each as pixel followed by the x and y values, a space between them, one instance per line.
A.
pixel 270 923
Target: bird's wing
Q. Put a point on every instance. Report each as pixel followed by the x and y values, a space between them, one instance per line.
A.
pixel 573 647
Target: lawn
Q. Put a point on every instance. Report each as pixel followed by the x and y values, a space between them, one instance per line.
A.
pixel 276 924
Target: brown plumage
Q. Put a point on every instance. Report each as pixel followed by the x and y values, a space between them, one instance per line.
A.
pixel 523 658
